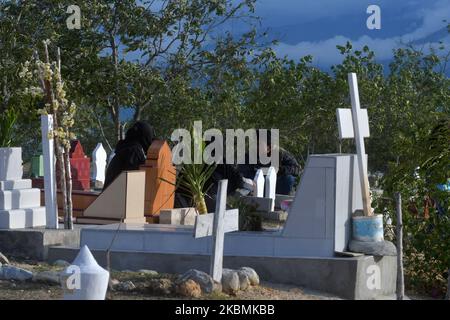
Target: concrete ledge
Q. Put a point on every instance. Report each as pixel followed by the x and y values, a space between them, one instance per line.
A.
pixel 178 216
pixel 34 243
pixel 261 204
pixel 22 218
pixel 345 277
pixel 15 184
pixel 279 216
pixel 20 199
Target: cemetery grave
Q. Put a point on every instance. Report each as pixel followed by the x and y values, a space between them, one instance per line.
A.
pixel 313 242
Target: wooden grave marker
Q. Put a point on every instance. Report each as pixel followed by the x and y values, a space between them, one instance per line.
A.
pixel 356 125
pixel 216 225
pixel 159 171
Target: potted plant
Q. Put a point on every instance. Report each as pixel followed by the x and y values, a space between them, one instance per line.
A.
pixel 10 157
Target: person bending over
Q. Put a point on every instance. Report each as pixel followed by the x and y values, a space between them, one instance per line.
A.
pixel 131 152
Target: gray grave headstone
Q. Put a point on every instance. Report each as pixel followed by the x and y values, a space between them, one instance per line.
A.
pixel 270 185
pixel 258 190
pixel 98 165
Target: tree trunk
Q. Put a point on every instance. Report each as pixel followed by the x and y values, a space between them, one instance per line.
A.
pixel 62 169
pixel 400 275
pixel 68 214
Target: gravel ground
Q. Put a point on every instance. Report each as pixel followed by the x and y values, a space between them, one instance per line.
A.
pixel 28 290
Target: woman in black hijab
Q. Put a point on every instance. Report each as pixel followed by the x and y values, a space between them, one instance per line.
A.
pixel 131 152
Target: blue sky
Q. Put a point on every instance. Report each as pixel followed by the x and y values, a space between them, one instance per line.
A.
pixel 316 26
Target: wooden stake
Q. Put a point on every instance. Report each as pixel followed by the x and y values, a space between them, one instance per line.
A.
pixel 399 228
pixel 359 141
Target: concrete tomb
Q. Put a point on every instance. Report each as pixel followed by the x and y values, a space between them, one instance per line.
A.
pixel 20 204
pixel 318 223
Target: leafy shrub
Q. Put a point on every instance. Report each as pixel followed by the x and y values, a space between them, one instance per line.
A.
pixel 7 122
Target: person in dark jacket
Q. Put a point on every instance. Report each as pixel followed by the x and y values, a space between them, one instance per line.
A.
pixel 131 152
pixel 288 168
pixel 288 171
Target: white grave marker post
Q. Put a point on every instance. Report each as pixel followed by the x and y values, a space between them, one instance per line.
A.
pixel 216 225
pixel 259 184
pixel 99 164
pixel 270 185
pixel 48 150
pixel 360 130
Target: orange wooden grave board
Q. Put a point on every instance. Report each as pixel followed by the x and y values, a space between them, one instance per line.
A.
pixel 159 194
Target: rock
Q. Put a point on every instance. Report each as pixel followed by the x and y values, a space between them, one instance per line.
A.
pixel 51 277
pixel 148 272
pixel 161 286
pixel 378 248
pixel 61 263
pixel 251 274
pixel 230 281
pixel 205 281
pixel 113 282
pixel 189 288
pixel 3 259
pixel 125 286
pixel 14 273
pixel 244 281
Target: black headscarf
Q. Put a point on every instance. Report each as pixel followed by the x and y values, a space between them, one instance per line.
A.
pixel 142 133
pixel 131 152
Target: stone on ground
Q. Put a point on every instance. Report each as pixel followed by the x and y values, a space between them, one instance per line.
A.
pixel 125 286
pixel 375 248
pixel 251 274
pixel 205 281
pixel 230 281
pixel 3 259
pixel 189 288
pixel 244 281
pixel 15 273
pixel 161 286
pixel 61 263
pixel 113 282
pixel 148 272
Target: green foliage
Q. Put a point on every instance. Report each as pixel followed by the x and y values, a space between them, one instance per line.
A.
pixel 7 122
pixel 426 208
pixel 249 219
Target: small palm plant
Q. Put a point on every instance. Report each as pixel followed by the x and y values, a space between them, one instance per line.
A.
pixel 192 180
pixel 193 177
pixel 7 122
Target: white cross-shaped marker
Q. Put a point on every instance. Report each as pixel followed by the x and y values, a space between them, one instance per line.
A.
pixel 355 124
